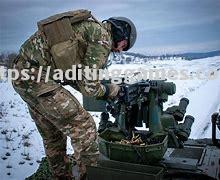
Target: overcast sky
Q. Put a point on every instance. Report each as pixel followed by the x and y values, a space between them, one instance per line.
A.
pixel 163 26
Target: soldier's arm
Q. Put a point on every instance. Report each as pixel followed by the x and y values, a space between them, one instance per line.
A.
pixel 99 44
pixel 96 54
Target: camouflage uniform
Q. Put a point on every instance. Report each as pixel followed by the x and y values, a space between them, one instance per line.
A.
pixel 56 112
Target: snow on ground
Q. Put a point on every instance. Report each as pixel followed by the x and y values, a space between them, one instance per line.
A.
pixel 21 146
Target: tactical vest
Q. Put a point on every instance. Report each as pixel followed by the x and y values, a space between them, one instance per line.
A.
pixel 63 44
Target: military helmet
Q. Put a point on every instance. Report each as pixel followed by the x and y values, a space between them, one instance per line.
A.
pixel 126 27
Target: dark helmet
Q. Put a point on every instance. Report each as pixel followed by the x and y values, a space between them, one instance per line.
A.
pixel 123 28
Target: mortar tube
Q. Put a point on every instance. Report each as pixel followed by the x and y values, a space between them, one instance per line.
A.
pixel 154 114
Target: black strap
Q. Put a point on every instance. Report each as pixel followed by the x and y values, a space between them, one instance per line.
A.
pixel 107 91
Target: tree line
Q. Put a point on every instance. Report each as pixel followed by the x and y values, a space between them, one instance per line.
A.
pixel 6 58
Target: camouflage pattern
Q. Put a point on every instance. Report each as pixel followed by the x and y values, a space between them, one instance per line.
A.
pixel 99 45
pixel 56 112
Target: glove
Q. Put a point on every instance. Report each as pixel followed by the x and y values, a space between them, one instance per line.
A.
pixel 117 92
pixel 111 91
pixel 114 90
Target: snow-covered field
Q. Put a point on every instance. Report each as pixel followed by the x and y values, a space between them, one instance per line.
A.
pixel 21 146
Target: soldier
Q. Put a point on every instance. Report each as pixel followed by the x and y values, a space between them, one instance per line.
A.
pixel 64 40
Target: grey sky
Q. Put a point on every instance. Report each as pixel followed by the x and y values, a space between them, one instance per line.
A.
pixel 164 26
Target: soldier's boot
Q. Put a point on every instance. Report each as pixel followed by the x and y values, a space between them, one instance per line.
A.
pixel 72 167
pixel 71 170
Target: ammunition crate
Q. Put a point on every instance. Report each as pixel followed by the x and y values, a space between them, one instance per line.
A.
pixel 134 153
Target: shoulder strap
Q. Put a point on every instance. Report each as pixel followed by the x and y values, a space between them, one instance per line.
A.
pixel 96 20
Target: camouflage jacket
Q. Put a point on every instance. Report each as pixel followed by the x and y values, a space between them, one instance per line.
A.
pixel 94 46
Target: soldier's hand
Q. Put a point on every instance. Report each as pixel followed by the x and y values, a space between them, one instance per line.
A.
pixel 114 90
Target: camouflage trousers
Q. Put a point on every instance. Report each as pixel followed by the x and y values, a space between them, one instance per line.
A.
pixel 58 114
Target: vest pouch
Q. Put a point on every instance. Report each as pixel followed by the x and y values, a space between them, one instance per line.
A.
pixel 58 28
pixel 58 33
pixel 65 54
pixel 57 104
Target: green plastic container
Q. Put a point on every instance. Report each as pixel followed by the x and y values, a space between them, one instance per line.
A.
pixel 147 154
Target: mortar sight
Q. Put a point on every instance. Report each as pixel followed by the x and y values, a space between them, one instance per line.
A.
pixel 168 88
